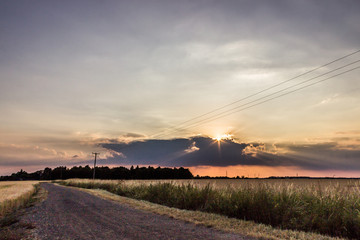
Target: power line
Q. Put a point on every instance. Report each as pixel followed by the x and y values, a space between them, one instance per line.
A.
pixel 209 118
pixel 257 93
pixel 258 99
pixel 220 115
pixel 284 94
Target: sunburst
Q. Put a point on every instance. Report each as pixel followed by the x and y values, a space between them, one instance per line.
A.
pixel 222 137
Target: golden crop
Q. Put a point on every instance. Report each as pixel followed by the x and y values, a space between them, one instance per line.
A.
pixel 14 194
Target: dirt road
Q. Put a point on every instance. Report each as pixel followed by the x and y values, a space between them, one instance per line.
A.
pixel 71 214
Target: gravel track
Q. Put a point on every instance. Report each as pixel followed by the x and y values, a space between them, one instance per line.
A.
pixel 71 214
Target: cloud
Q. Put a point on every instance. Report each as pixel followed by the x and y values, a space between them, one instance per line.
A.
pixel 52 150
pixel 321 156
pixel 195 152
pixel 192 148
pixel 133 135
pixel 205 151
pixel 180 152
pixel 352 132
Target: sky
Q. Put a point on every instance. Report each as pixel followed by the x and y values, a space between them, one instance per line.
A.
pixel 139 82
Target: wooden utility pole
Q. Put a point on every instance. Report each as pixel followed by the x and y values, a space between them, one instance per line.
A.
pixel 95 153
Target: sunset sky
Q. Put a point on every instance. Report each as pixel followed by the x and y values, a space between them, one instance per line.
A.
pixel 127 79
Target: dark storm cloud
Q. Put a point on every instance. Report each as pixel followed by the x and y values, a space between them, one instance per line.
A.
pixel 204 151
pixel 181 152
pixel 149 151
pixel 321 156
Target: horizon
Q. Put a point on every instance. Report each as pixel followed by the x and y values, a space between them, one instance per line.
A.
pixel 238 87
pixel 194 176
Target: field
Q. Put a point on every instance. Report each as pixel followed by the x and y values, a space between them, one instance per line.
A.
pixel 326 206
pixel 15 194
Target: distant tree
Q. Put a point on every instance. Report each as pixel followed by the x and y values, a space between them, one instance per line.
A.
pixel 46 175
pixel 63 172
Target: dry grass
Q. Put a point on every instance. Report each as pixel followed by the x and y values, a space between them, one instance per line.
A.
pixel 15 194
pixel 350 186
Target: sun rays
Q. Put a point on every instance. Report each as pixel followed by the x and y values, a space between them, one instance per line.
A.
pixel 221 137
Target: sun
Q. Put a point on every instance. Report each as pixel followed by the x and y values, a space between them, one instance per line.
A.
pixel 222 137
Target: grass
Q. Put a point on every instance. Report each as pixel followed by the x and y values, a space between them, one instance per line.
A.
pixel 14 196
pixel 330 208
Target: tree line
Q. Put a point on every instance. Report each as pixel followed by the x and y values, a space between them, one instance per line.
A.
pixel 102 173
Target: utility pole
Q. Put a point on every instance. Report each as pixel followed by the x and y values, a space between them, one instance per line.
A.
pixel 94 153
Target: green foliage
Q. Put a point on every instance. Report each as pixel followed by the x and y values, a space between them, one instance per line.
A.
pixel 332 213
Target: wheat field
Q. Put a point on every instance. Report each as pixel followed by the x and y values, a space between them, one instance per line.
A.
pixel 14 194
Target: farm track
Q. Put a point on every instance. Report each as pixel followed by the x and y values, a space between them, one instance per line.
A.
pixel 71 214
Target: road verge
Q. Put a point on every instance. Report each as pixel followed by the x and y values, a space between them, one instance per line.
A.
pixel 219 222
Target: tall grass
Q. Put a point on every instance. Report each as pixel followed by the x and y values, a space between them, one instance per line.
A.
pixel 327 209
pixel 14 195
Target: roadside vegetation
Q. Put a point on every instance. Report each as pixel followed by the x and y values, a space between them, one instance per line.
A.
pixel 15 195
pixel 216 221
pixel 327 207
